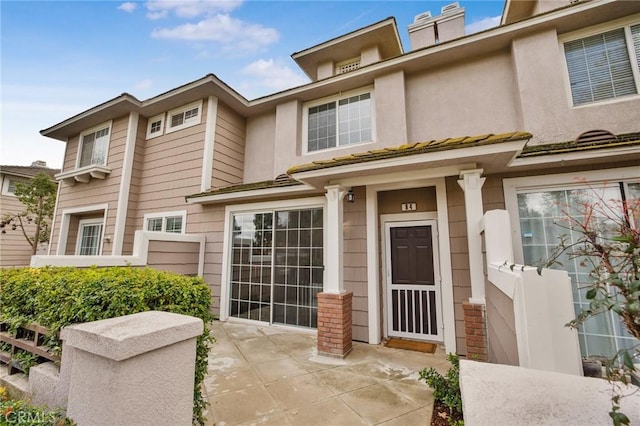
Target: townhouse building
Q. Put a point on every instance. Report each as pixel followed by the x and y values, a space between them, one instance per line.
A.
pixel 353 204
pixel 14 248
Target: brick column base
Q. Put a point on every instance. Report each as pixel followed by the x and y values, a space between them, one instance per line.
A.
pixel 475 327
pixel 334 324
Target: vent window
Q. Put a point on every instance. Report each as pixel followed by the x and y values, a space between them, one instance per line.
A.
pixel 347 66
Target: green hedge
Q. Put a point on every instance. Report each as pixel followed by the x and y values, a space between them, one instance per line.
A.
pixel 56 297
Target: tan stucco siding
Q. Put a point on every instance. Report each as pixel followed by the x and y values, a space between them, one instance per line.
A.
pixel 96 191
pixel 355 262
pixel 501 334
pixel 14 248
pixel 467 98
pixel 228 154
pixel 459 257
pixel 174 256
pixel 260 146
pixel 546 97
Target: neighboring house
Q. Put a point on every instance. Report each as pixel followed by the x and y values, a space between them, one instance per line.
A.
pixel 14 248
pixel 368 185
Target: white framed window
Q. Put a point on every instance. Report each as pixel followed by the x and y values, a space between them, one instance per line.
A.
pixel 603 63
pixel 9 187
pixel 172 222
pixel 539 206
pixel 89 237
pixel 94 145
pixel 155 126
pixel 339 121
pixel 185 116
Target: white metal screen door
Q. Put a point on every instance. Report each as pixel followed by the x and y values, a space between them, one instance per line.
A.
pixel 413 281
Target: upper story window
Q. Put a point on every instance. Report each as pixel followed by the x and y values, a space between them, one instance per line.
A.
pixel 155 126
pixel 340 122
pixel 185 116
pixel 605 65
pixel 172 222
pixel 94 145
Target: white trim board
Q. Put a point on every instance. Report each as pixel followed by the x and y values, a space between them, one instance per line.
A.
pixel 66 218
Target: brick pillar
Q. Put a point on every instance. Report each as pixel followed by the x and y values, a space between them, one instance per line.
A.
pixel 475 328
pixel 334 324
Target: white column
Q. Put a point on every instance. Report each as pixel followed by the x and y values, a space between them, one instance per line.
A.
pixel 209 143
pixel 471 183
pixel 125 185
pixel 334 253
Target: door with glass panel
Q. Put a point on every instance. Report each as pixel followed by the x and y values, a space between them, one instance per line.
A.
pixel 277 266
pixel 89 237
pixel 543 219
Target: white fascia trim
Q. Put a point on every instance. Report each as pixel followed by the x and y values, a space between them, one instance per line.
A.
pixel 248 195
pixel 512 186
pixel 209 143
pixel 125 184
pixel 574 156
pixel 405 177
pixel 426 158
pixel 229 211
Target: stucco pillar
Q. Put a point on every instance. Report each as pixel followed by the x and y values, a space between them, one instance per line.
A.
pixel 334 303
pixel 134 370
pixel 471 183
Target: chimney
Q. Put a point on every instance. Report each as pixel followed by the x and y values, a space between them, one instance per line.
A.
pixel 427 30
pixel 39 163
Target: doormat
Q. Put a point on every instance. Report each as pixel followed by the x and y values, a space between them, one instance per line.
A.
pixel 411 345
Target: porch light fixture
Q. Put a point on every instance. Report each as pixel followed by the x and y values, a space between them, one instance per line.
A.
pixel 351 197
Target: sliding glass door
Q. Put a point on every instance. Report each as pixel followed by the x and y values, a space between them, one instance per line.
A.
pixel 277 266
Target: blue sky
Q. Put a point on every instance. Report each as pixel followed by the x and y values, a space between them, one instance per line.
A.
pixel 60 58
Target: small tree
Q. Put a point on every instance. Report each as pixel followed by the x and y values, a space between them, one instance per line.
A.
pixel 607 242
pixel 39 198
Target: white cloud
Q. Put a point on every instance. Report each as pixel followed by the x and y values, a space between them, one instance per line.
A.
pixel 482 24
pixel 158 9
pixel 128 6
pixel 268 76
pixel 231 33
pixel 144 84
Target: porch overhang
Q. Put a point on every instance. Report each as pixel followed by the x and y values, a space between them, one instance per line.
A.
pixel 278 188
pixel 617 148
pixel 493 153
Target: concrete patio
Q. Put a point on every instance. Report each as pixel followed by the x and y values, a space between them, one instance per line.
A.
pixel 271 375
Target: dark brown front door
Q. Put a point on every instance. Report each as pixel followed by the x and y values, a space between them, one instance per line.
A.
pixel 413 288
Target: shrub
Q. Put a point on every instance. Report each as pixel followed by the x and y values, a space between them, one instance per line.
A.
pixel 14 412
pixel 57 297
pixel 446 389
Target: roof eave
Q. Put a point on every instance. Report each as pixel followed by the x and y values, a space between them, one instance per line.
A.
pixel 624 153
pixel 321 176
pixel 250 195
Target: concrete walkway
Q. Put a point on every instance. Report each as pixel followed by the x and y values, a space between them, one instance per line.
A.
pixel 269 375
